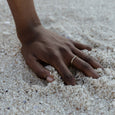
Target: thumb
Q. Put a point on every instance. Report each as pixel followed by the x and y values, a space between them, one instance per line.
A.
pixel 39 70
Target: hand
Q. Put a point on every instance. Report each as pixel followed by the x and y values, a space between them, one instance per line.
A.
pixel 42 46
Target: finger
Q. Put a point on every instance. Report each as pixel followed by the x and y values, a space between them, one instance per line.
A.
pixel 66 75
pixel 81 46
pixel 87 58
pixel 39 70
pixel 84 67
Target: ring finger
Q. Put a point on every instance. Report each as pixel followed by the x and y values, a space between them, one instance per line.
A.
pixel 83 66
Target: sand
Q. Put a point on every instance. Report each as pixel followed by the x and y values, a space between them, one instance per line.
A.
pixel 91 22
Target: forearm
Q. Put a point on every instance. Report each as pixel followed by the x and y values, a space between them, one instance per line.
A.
pixel 24 14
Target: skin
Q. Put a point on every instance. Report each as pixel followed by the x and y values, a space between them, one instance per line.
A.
pixel 41 46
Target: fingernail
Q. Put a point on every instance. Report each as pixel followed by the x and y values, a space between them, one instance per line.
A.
pixel 50 78
pixel 89 48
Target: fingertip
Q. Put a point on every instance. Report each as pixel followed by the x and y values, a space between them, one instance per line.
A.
pixel 70 81
pixel 98 65
pixel 50 78
pixel 96 76
pixel 101 67
pixel 89 48
pixel 93 74
pixel 73 84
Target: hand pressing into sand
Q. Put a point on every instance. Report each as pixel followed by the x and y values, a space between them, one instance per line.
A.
pixel 39 46
pixel 45 46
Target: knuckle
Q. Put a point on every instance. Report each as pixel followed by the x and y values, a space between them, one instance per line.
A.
pixel 53 56
pixel 63 50
pixel 69 44
pixel 51 53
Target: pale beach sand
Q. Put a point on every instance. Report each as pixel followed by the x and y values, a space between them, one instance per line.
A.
pixel 91 22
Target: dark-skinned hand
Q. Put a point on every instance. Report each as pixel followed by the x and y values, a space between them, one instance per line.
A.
pixel 42 46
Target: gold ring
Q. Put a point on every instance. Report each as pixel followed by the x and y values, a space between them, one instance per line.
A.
pixel 73 59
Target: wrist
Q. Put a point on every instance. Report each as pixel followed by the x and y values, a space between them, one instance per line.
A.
pixel 28 33
pixel 25 17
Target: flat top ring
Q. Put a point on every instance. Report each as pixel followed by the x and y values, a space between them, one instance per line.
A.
pixel 73 59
